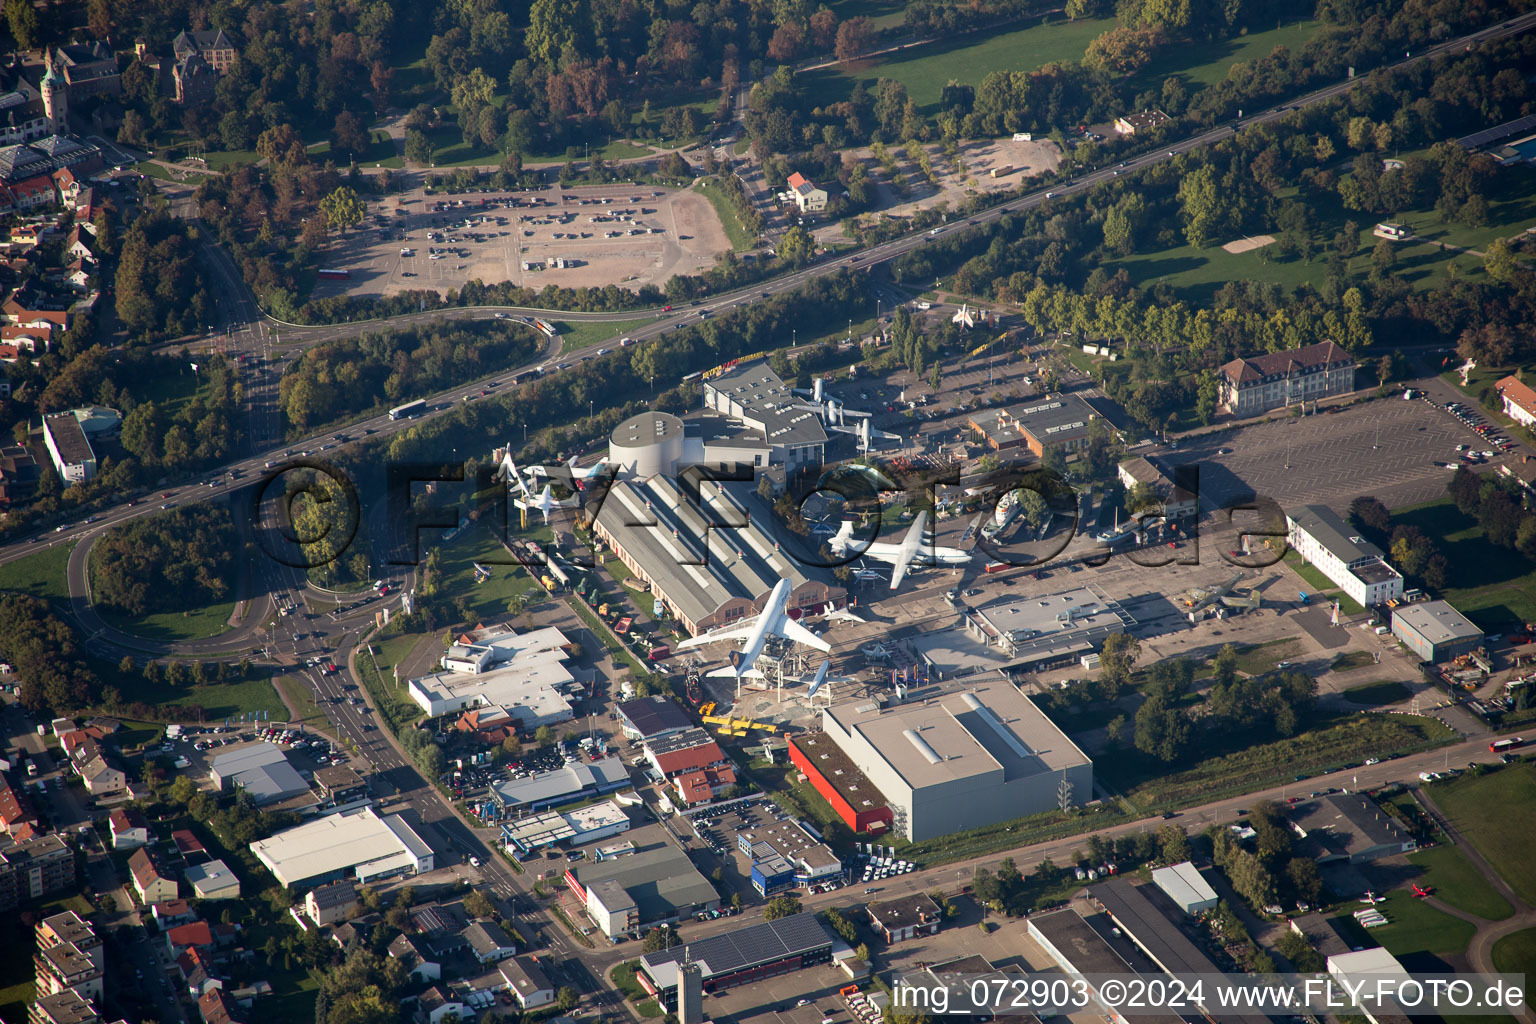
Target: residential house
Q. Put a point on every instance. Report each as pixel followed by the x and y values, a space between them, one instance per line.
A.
pixel 805 194
pixel 217 1008
pixel 149 881
pixel 434 1006
pixel 33 192
pixel 527 982
pixel 190 847
pixel 331 903
pixel 489 941
pixel 416 956
pixel 34 867
pixel 193 935
pixel 129 830
pixel 212 45
pixel 170 913
pixel 16 812
pixel 65 967
pixel 197 973
pixel 19 472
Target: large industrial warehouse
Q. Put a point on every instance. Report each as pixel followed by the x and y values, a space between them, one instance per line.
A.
pixel 361 845
pixel 704 569
pixel 961 760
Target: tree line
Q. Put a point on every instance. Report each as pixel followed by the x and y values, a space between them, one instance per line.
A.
pixel 170 561
pixel 339 379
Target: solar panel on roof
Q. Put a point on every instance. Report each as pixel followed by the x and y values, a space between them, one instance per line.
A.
pixel 1479 139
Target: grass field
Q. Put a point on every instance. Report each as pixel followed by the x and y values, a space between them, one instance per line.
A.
pixel 1494 811
pixel 1261 658
pixel 219 700
pixel 1493 586
pixel 1242 766
pixel 41 574
pixel 302 698
pixel 1206 64
pixel 193 624
pixel 585 334
pixel 1415 927
pixel 925 70
pixel 1516 953
pixel 1199 272
pixel 488 600
pixel 1376 694
pixel 735 230
pixel 1460 884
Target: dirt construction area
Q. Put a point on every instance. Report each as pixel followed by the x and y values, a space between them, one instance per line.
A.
pixel 1013 160
pixel 572 236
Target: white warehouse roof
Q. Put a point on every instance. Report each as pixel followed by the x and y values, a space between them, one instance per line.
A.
pixel 1185 886
pixel 1365 961
pixel 363 843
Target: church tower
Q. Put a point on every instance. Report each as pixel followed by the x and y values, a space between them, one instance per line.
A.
pixel 55 98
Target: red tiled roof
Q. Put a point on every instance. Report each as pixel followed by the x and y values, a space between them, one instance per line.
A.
pixel 690 759
pixel 1517 392
pixel 195 933
pixel 699 787
pixel 796 180
pixel 186 842
pixel 125 818
pixel 1324 353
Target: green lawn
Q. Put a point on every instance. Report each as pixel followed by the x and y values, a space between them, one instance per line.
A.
pixel 219 700
pixel 41 574
pixel 1460 884
pixel 1516 953
pixel 1415 927
pixel 381 152
pixel 735 230
pixel 1494 811
pixel 925 70
pixel 1351 660
pixel 1206 64
pixel 488 600
pixel 1263 658
pixel 1493 586
pixel 193 624
pixel 15 998
pixel 585 334
pixel 302 697
pixel 1238 765
pixel 1376 694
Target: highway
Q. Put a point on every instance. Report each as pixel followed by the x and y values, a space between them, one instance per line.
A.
pixel 253 333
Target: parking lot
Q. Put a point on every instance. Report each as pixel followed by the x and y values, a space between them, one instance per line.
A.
pixel 1396 450
pixel 626 235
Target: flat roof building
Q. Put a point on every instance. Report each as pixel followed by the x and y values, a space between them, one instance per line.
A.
pixel 648 887
pixel 1047 422
pixel 961 760
pixel 857 801
pixel 809 860
pixel 362 845
pixel 1045 630
pixel 906 917
pixel 1350 827
pixel 1353 563
pixel 68 447
pixel 739 957
pixel 753 394
pixel 1435 631
pixel 524 674
pixel 705 574
pixel 213 881
pixel 515 797
pixel 261 769
pixel 1082 945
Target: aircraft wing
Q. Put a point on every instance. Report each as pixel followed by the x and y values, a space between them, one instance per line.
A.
pixel 741 632
pixel 908 550
pixel 792 630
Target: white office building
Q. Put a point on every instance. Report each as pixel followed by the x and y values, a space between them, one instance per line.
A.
pixel 1354 564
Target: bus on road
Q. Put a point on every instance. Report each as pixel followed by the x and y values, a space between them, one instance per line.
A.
pixel 1503 746
pixel 409 409
pixel 334 275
